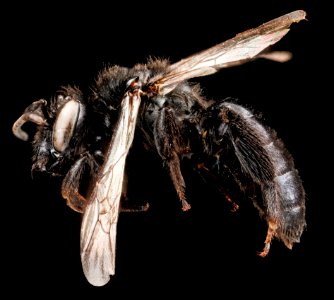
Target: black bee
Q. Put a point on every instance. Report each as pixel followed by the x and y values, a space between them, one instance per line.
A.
pixel 87 138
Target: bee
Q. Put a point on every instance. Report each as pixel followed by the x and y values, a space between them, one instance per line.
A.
pixel 86 139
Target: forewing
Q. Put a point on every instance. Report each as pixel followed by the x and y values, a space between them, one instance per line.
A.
pixel 98 228
pixel 244 47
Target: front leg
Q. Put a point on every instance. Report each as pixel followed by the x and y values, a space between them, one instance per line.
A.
pixel 70 188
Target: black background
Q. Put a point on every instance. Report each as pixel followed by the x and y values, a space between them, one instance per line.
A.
pixel 165 251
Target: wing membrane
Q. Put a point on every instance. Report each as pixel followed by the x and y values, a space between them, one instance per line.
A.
pixel 244 47
pixel 98 229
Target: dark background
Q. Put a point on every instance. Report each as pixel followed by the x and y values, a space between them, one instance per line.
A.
pixel 208 249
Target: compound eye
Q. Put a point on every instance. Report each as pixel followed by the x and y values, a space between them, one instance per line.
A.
pixel 65 124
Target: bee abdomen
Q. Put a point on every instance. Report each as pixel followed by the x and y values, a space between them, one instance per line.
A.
pixel 285 196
